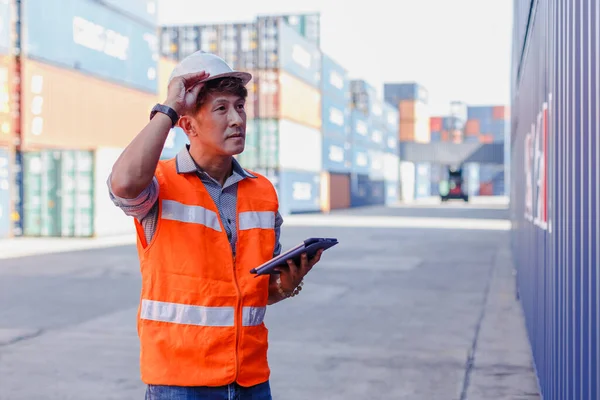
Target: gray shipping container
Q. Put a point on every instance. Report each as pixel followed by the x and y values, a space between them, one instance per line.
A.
pixel 555 190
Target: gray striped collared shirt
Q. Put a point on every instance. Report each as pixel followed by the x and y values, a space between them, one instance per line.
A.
pixel 145 207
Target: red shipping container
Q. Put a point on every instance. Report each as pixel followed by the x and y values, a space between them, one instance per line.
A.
pixel 445 136
pixel 499 112
pixel 435 124
pixel 472 127
pixel 486 189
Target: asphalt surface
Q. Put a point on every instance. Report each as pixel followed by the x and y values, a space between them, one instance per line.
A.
pixel 390 313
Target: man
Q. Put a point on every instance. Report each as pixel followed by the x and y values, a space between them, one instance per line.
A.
pixel 203 222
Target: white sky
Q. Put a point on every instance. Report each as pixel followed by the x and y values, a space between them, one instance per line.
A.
pixel 458 49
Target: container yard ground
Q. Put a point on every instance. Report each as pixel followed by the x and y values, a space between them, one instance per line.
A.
pixel 391 313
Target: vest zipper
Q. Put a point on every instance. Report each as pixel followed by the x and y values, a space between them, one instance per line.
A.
pixel 238 326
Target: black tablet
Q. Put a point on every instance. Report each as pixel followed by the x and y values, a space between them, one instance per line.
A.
pixel 310 246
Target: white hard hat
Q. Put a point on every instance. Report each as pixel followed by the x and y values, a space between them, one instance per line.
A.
pixel 211 63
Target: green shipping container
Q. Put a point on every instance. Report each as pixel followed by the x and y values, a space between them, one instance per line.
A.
pixel 58 193
pixel 262 144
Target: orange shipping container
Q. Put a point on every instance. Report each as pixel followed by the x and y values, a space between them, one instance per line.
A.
pixel 165 67
pixel 69 110
pixel 407 110
pixel 335 191
pixel 282 96
pixel 6 98
pixel 407 131
pixel 486 138
pixel 472 127
pixel 499 112
pixel 445 136
pixel 435 124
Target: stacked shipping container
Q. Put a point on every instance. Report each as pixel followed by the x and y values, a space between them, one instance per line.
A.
pixel 88 78
pixel 555 196
pixel 337 148
pixel 7 84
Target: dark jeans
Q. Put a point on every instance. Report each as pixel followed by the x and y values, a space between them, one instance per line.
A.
pixel 229 392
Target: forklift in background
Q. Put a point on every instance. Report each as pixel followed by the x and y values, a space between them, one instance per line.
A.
pixel 454 187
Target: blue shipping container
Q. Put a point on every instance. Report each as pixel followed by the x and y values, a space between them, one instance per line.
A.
pixel 392 194
pixel 498 130
pixel 391 143
pixel 4 194
pixel 555 193
pixel 365 191
pixel 5 26
pixel 334 80
pixel 361 163
pixel 360 130
pixel 143 10
pixel 392 117
pixel 280 46
pixel 335 117
pixel 396 92
pixel 176 141
pixel 480 112
pixel 298 191
pixel 87 36
pixel 436 137
pixel 337 155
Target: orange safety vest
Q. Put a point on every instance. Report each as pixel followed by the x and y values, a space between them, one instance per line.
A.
pixel 200 320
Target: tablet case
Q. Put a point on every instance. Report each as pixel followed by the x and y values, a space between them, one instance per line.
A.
pixel 309 246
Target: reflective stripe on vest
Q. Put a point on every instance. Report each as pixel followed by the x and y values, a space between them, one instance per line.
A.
pixel 176 211
pixel 199 315
pixel 256 219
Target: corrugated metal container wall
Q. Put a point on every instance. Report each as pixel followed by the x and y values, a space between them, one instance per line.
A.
pixel 555 196
pixel 361 164
pixel 165 67
pixel 306 25
pixel 300 147
pixel 5 180
pixel 335 191
pixel 377 169
pixel 391 167
pixel 5 26
pixel 58 193
pixel 54 115
pixel 396 92
pixel 108 219
pixel 280 95
pixel 143 10
pixel 176 141
pixel 279 46
pixel 336 117
pixel 298 191
pixel 359 129
pixel 422 180
pixel 334 81
pixel 391 193
pixel 87 36
pixel 337 155
pixel 6 98
pixel 365 191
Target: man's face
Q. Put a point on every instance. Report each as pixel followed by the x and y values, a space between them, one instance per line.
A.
pixel 220 124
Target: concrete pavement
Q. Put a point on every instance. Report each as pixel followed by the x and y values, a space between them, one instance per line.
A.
pixel 396 311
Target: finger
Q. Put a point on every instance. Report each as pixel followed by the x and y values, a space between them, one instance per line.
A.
pixel 316 258
pixel 305 264
pixel 191 79
pixel 293 268
pixel 195 90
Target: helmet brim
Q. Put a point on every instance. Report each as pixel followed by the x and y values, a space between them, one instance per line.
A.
pixel 244 76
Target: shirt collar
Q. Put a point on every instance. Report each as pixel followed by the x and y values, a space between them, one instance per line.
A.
pixel 186 165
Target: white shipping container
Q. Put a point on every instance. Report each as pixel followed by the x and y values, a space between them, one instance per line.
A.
pixel 108 219
pixel 391 167
pixel 407 181
pixel 300 147
pixel 422 131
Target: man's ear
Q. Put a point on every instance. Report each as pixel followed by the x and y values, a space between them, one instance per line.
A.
pixel 186 123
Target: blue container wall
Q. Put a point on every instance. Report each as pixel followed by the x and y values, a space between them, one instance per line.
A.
pixel 498 130
pixel 392 194
pixel 18 193
pixel 5 228
pixel 334 80
pixel 436 137
pixel 396 92
pixel 5 26
pixel 361 163
pixel 337 155
pixel 365 191
pixel 391 142
pixel 392 118
pixel 298 56
pixel 360 129
pixel 555 192
pixel 87 36
pixel 336 121
pixel 144 10
pixel 298 191
pixel 480 112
